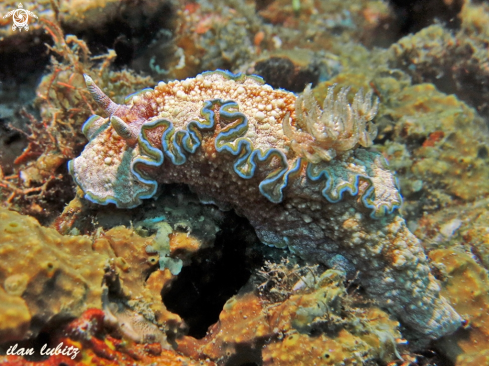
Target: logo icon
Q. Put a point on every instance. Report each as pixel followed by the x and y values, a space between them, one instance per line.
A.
pixel 20 17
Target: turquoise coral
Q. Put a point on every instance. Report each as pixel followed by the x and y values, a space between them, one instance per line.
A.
pixel 224 135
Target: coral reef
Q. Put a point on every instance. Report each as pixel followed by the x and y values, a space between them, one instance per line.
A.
pixel 49 277
pixel 172 285
pixel 461 227
pixel 458 238
pixel 202 124
pixel 234 35
pixel 44 275
pixel 90 17
pixel 435 142
pixel 84 341
pixel 466 285
pixel 438 145
pixel 314 321
pixel 453 61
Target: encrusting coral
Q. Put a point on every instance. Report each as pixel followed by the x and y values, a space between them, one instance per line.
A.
pixel 47 278
pixel 84 341
pixel 439 146
pixel 466 284
pixel 42 276
pixel 313 321
pixel 454 62
pixel 222 135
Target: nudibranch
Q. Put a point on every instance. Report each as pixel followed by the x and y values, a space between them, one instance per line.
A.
pixel 301 174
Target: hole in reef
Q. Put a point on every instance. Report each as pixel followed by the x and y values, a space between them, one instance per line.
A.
pixel 201 289
pixel 129 29
pixel 24 57
pixel 433 357
pixel 245 356
pixel 415 15
pixel 262 4
pixel 482 152
pixel 280 72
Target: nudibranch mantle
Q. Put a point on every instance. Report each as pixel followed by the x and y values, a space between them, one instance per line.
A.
pixel 266 153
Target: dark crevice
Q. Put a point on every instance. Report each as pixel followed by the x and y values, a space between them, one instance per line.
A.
pixel 129 30
pixel 412 16
pixel 12 143
pixel 245 356
pixel 262 4
pixel 482 152
pixel 216 274
pixel 24 57
pixel 431 356
pixel 280 72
